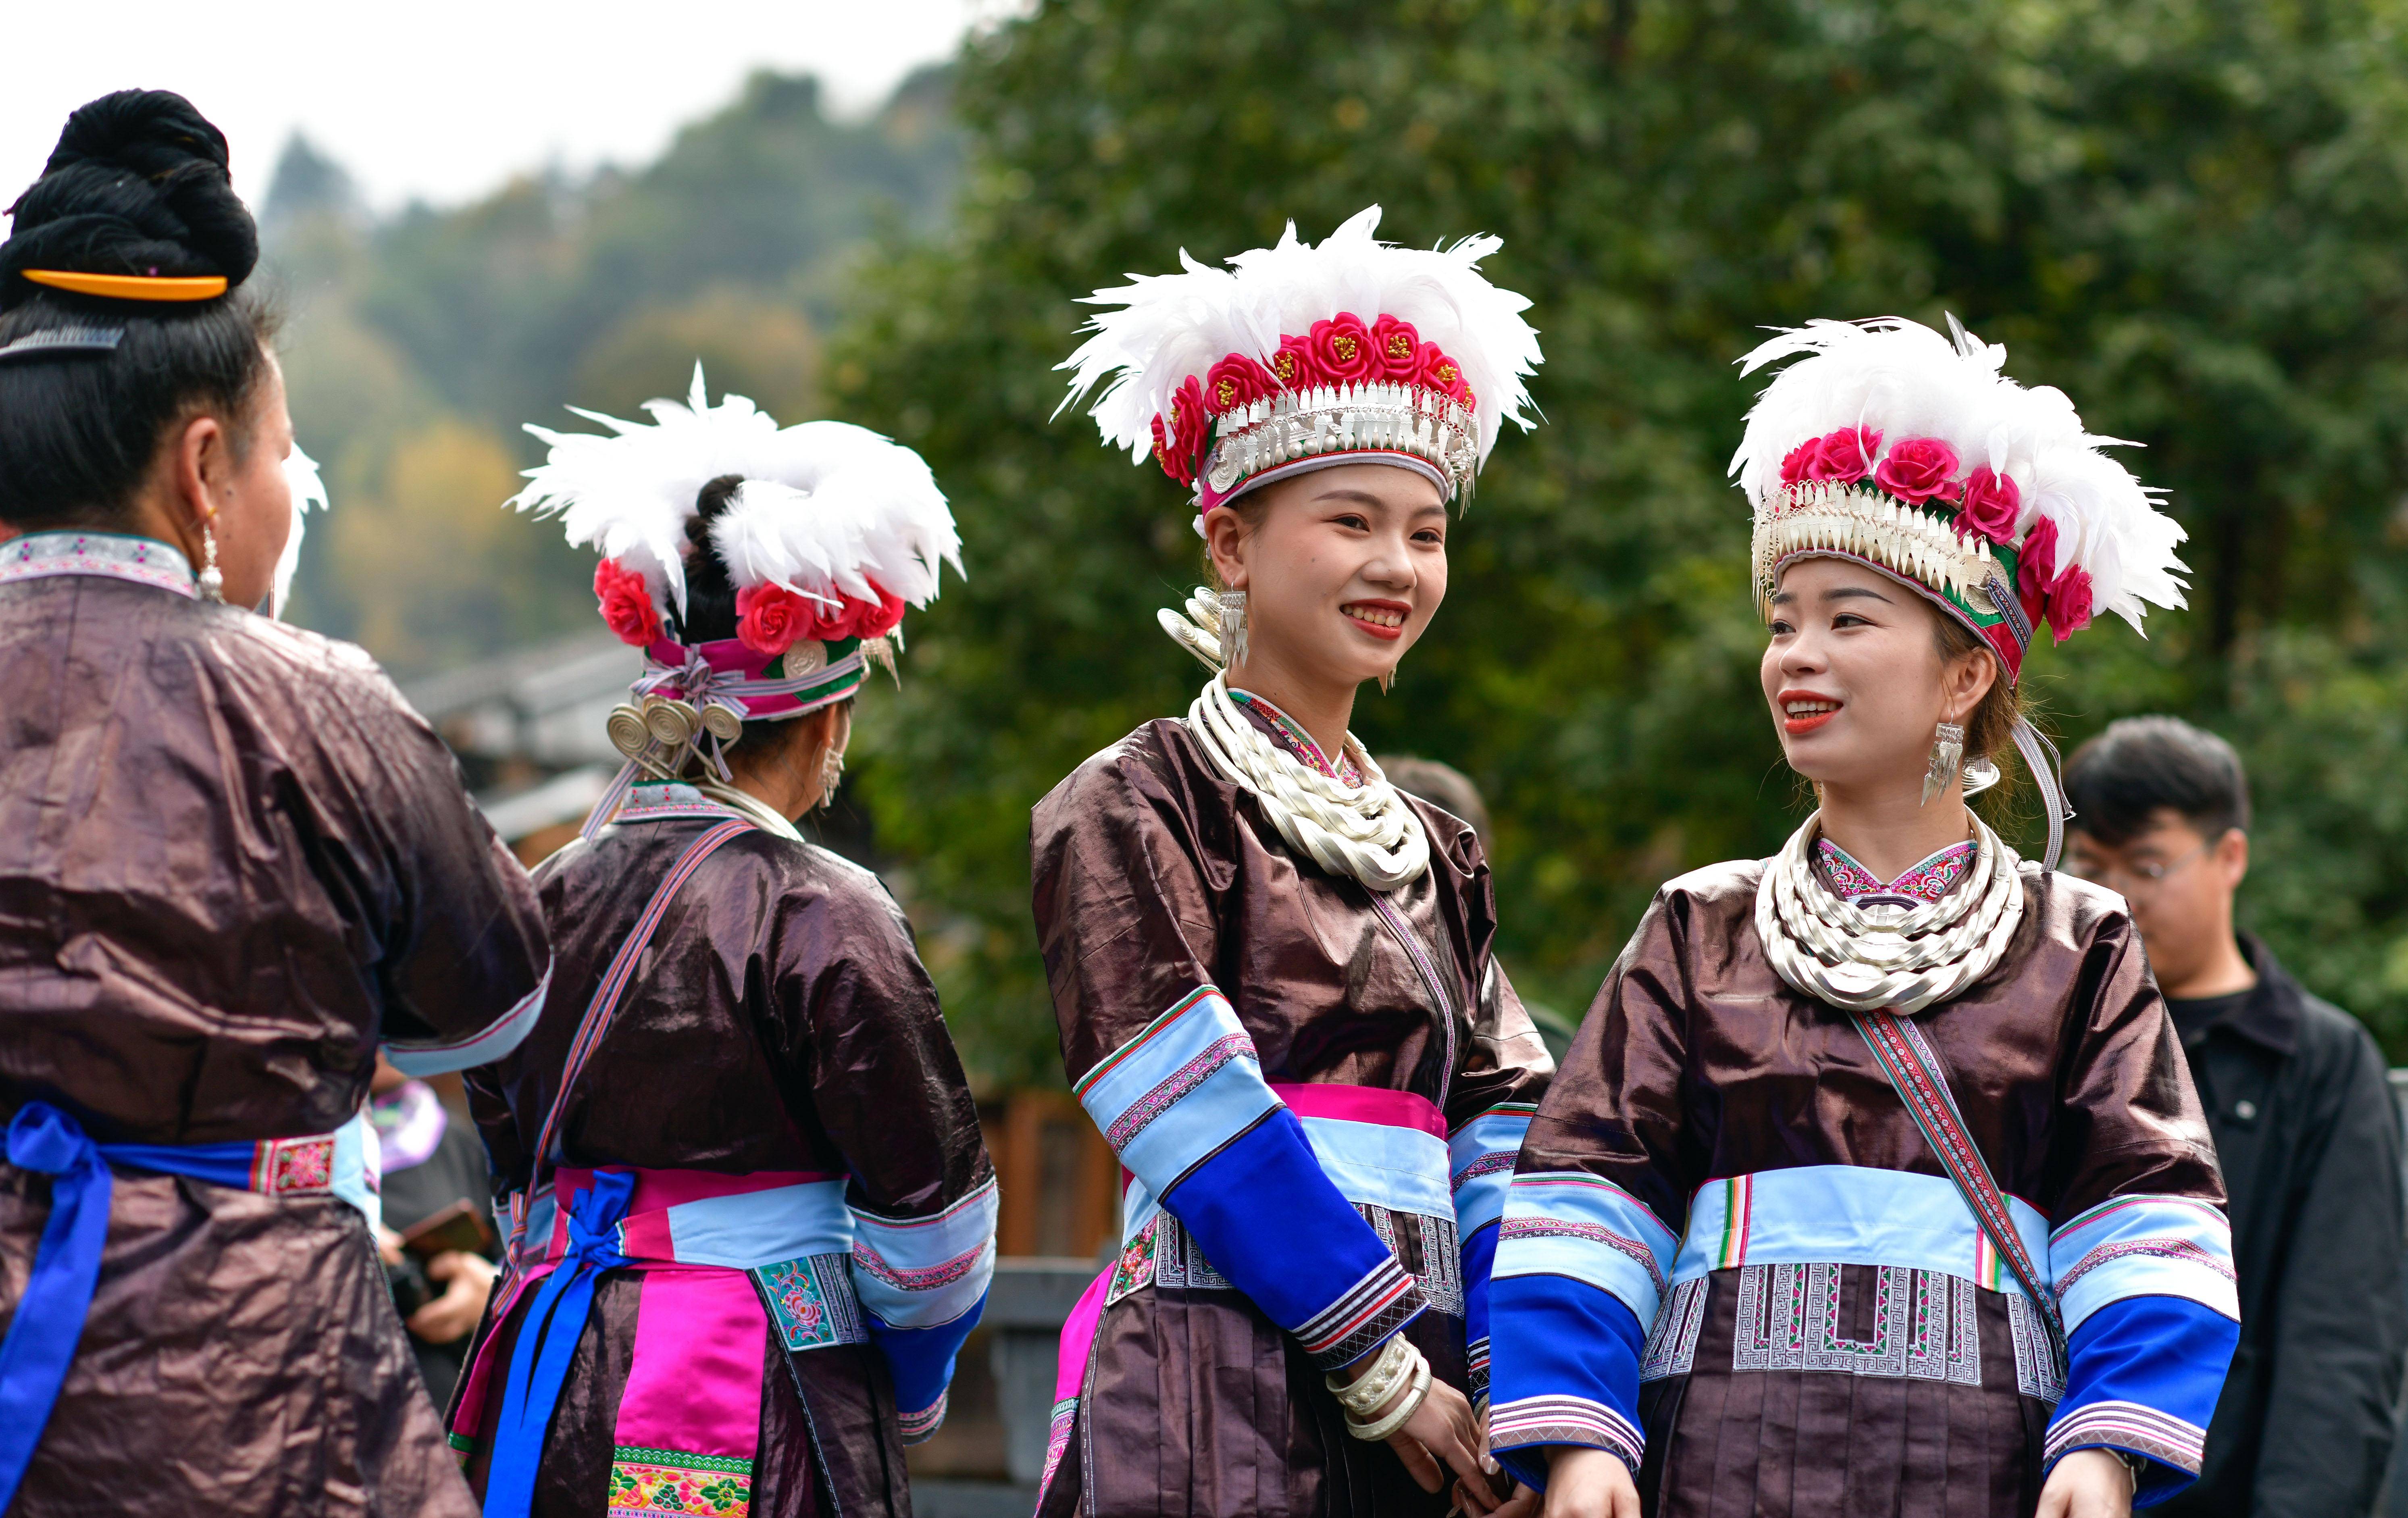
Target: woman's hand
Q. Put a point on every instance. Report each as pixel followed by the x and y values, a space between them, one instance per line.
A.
pixel 1584 1482
pixel 1442 1435
pixel 467 1280
pixel 2088 1483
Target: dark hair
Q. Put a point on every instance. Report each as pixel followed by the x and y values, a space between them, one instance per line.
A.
pixel 2120 779
pixel 711 600
pixel 137 185
pixel 1990 727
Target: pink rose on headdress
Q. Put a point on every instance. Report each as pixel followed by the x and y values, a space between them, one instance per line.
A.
pixel 771 618
pixel 2035 566
pixel 1396 350
pixel 2069 603
pixel 1341 347
pixel 1918 469
pixel 1843 457
pixel 869 619
pixel 1177 445
pixel 1294 366
pixel 1236 381
pixel 1444 375
pixel 1991 503
pixel 626 604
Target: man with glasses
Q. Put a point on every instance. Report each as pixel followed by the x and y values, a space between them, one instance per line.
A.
pixel 2294 1095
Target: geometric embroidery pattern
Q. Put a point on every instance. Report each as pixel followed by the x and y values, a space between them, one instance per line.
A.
pixel 658 1483
pixel 811 1303
pixel 1163 1097
pixel 2039 1361
pixel 1923 1326
pixel 294 1166
pixel 1672 1342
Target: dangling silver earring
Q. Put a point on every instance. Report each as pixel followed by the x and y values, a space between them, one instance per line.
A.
pixel 213 582
pixel 1387 680
pixel 831 774
pixel 1947 752
pixel 1233 628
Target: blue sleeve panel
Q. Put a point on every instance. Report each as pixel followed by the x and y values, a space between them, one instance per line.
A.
pixel 1270 1221
pixel 1564 1360
pixel 922 1359
pixel 2143 1375
pixel 1479 1261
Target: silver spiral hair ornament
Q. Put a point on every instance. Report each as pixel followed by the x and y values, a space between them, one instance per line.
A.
pixel 1863 958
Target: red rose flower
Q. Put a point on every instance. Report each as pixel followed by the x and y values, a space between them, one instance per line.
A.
pixel 1800 462
pixel 1236 381
pixel 2069 603
pixel 771 618
pixel 1294 365
pixel 1443 375
pixel 875 618
pixel 1396 350
pixel 1991 503
pixel 2035 568
pixel 1341 347
pixel 1177 445
pixel 1843 457
pixel 1918 469
pixel 626 604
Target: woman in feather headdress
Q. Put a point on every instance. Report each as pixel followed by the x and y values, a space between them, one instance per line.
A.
pixel 1273 972
pixel 1874 1182
pixel 752 1218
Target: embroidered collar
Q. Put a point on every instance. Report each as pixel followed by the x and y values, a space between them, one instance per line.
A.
pixel 145 561
pixel 410 1120
pixel 1929 880
pixel 1290 735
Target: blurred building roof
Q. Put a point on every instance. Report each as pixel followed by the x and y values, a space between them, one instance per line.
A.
pixel 528 727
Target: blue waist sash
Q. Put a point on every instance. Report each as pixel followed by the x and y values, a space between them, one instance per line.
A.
pixel 49 1318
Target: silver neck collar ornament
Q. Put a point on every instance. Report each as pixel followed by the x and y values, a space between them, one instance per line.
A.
pixel 1864 958
pixel 1369 831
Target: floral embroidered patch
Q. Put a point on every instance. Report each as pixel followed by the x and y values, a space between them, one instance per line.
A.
pixel 810 1302
pixel 1930 880
pixel 1135 1267
pixel 284 1167
pixel 655 1483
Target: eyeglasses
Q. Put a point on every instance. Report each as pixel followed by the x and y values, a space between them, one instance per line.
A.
pixel 2143 878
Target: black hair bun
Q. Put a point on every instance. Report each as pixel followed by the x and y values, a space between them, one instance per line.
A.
pixel 137 185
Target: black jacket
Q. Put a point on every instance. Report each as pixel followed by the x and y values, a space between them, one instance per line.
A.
pixel 2296 1096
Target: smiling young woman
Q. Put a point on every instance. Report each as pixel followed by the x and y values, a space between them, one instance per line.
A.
pixel 1874 1182
pixel 1271 968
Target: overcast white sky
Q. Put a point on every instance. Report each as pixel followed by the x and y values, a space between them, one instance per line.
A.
pixel 444 99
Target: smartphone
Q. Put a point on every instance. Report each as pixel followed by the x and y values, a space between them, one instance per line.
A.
pixel 459 1226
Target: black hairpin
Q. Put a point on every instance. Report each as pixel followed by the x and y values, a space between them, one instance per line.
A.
pixel 63 342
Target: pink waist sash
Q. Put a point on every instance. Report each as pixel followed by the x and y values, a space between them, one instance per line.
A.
pixel 711 1248
pixel 1363 1104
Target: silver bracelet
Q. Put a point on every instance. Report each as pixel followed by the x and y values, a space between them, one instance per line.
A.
pixel 1406 1407
pixel 1390 1369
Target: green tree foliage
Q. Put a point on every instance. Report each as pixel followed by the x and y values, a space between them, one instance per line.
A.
pixel 419 344
pixel 2186 213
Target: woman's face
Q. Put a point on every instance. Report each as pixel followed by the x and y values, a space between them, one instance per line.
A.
pixel 253 499
pixel 1854 678
pixel 1343 573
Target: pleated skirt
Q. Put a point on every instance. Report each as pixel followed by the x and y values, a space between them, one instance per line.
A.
pixel 1874 1392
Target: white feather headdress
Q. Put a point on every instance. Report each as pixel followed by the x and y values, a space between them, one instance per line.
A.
pixel 1168 330
pixel 309 490
pixel 827 510
pixel 1907 382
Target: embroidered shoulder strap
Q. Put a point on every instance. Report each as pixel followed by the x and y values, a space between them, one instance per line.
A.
pixel 598 1011
pixel 1914 1068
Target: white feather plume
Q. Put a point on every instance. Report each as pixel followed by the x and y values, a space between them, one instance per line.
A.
pixel 1169 328
pixel 309 489
pixel 825 509
pixel 1904 380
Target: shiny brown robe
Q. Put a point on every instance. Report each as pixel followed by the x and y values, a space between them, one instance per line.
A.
pixel 231 860
pixel 1699 1062
pixel 1154 875
pixel 779 1021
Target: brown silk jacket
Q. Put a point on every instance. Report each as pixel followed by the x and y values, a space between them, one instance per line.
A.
pixel 231 860
pixel 1155 876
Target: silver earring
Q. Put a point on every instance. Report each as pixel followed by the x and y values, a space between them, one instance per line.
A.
pixel 1233 628
pixel 1947 752
pixel 213 582
pixel 831 774
pixel 1387 680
